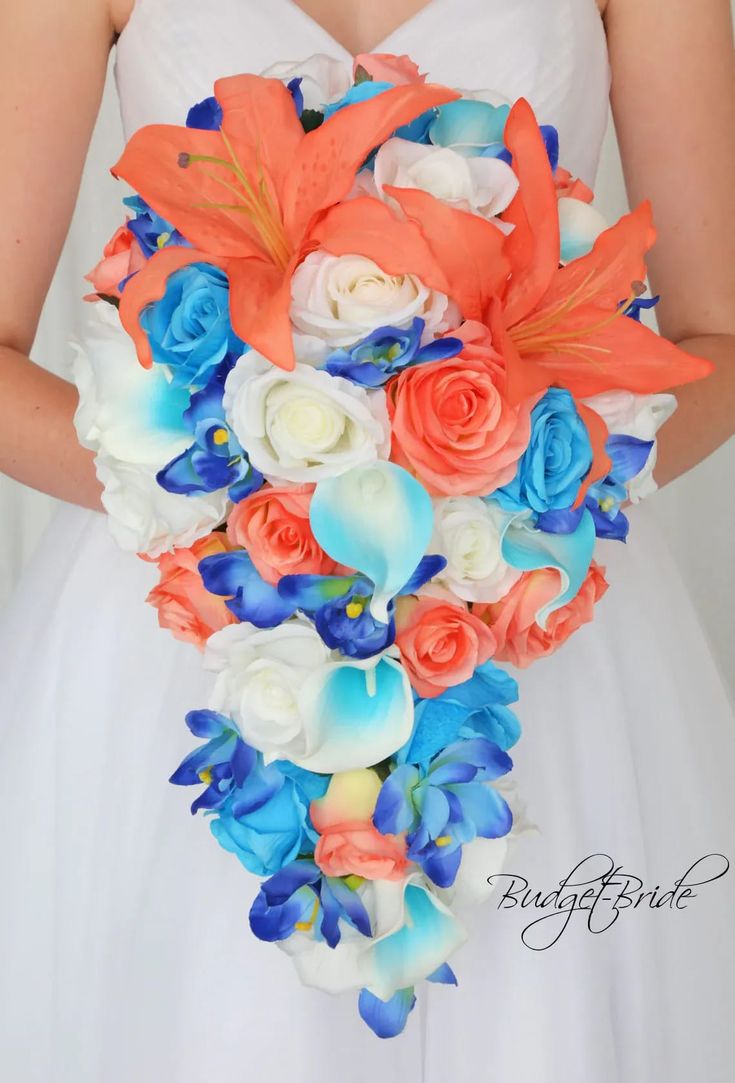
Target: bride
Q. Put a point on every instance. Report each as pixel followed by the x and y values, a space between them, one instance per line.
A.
pixel 125 955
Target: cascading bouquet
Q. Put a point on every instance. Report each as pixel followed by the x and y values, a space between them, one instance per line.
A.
pixel 368 380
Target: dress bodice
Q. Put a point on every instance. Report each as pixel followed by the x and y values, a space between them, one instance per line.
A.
pixel 551 51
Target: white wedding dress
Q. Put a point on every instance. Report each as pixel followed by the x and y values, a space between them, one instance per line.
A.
pixel 125 952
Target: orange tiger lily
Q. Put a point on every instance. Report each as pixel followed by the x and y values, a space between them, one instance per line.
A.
pixel 249 196
pixel 565 326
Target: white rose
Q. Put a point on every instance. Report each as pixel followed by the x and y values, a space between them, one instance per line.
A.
pixel 468 532
pixel 324 80
pixel 484 186
pixel 144 518
pixel 285 689
pixel 260 677
pixel 125 411
pixel 341 299
pixel 641 416
pixel 304 425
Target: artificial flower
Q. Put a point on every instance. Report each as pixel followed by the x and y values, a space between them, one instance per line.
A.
pixel 387 351
pixel 303 425
pixel 451 424
pixel 248 197
pixel 322 79
pixel 273 525
pixel 468 533
pixel 519 636
pixel 121 257
pixel 185 606
pixel 341 299
pixel 441 644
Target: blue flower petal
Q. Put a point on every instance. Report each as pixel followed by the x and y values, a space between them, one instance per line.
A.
pixel 386 1018
pixel 250 598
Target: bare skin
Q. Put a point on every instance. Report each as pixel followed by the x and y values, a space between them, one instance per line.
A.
pixel 678 147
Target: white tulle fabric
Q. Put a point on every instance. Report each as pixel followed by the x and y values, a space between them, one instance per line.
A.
pixel 125 955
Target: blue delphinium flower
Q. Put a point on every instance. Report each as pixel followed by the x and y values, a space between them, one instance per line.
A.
pixel 189 328
pixel 386 351
pixel 476 708
pixel 205 115
pixel 557 459
pixel 340 607
pixel 151 230
pixel 222 764
pixel 299 896
pixel 215 460
pixel 446 804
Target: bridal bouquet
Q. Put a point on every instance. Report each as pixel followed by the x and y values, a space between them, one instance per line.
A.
pixel 367 380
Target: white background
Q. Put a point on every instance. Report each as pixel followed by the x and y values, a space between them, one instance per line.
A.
pixel 697 512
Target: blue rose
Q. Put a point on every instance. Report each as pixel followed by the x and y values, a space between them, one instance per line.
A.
pixel 558 457
pixel 189 328
pixel 416 131
pixel 265 823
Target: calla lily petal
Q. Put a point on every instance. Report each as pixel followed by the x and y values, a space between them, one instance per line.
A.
pixel 570 554
pixel 355 715
pixel 376 518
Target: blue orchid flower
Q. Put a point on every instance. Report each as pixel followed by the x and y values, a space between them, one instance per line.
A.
pixel 151 230
pixel 205 115
pixel 234 576
pixel 215 460
pixel 476 708
pixel 300 897
pixel 222 764
pixel 340 607
pixel 628 456
pixel 640 304
pixel 386 351
pixel 446 804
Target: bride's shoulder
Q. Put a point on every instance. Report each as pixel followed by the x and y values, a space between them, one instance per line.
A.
pixel 120 11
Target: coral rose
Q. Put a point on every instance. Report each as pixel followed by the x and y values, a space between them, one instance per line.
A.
pixel 359 849
pixel 273 525
pixel 520 639
pixel 350 844
pixel 388 68
pixel 452 426
pixel 441 644
pixel 121 256
pixel 184 606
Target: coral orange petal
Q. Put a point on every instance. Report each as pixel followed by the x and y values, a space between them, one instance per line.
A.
pixel 260 120
pixel 598 434
pixel 523 378
pixel 260 298
pixel 183 196
pixel 367 227
pixel 324 166
pixel 620 354
pixel 605 276
pixel 533 246
pixel 148 285
pixel 468 248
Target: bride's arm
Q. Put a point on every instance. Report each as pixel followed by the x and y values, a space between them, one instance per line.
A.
pixel 53 59
pixel 673 98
